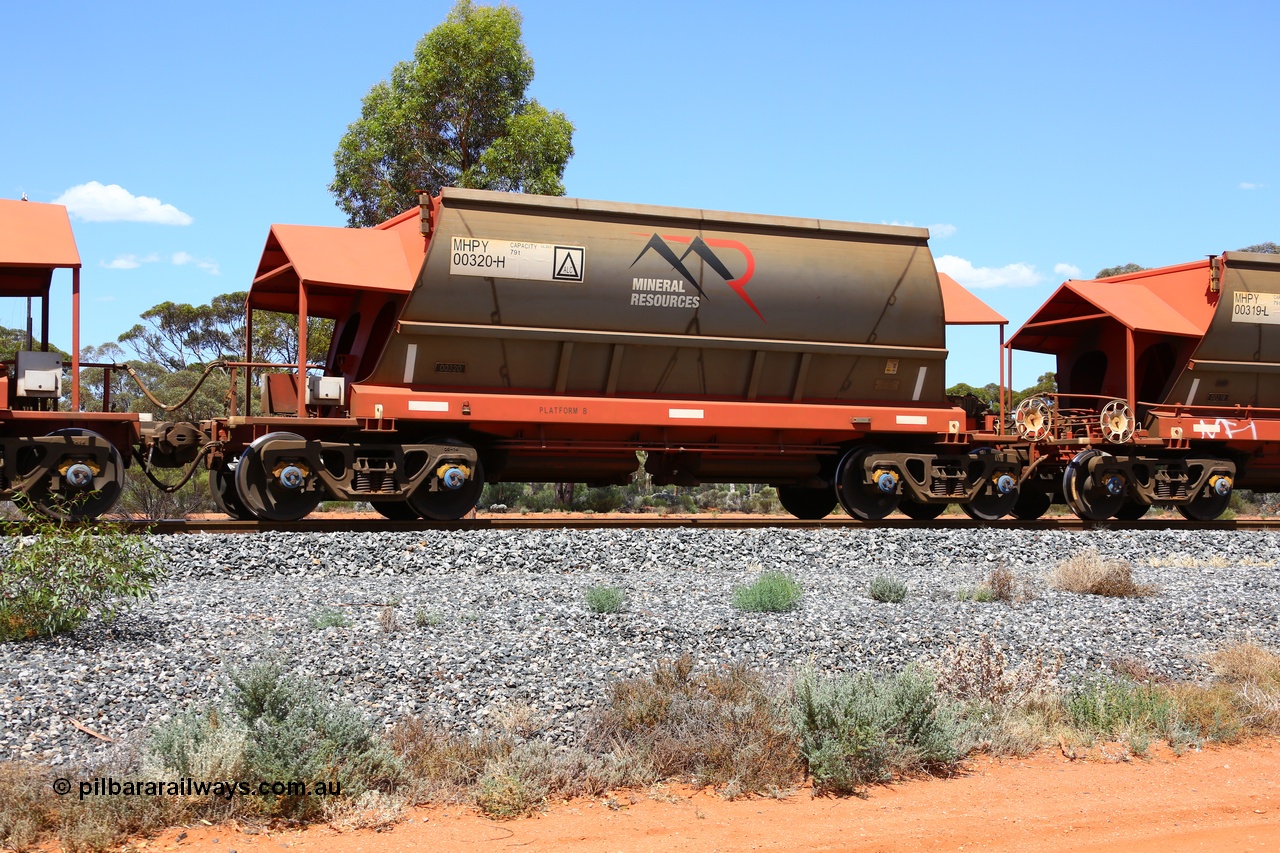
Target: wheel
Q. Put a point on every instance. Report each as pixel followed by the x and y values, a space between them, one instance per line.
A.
pixel 1090 498
pixel 997 497
pixel 1207 505
pixel 395 510
pixel 1132 510
pixel 1033 419
pixel 919 511
pixel 1116 422
pixel 449 504
pixel 83 493
pixel 807 503
pixel 264 478
pixel 1031 505
pixel 222 488
pixel 860 499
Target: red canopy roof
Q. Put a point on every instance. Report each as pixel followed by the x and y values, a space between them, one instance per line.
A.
pixel 1168 301
pixel 962 308
pixel 35 239
pixel 333 262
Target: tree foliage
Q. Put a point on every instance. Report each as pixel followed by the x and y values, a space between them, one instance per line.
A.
pixel 1123 269
pixel 13 340
pixel 177 336
pixel 455 115
pixel 1267 248
pixel 989 394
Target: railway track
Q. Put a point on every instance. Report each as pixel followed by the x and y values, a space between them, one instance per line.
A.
pixel 377 524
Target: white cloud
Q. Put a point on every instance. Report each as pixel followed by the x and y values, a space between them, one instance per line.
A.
pixel 129 262
pixel 1010 275
pixel 184 258
pixel 94 202
pixel 1067 270
pixel 1246 185
pixel 178 259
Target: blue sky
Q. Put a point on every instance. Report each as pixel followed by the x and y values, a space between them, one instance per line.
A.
pixel 1038 141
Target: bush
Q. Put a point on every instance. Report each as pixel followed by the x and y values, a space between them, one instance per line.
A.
pixel 771 592
pixel 601 499
pixel 276 726
pixel 981 593
pixel 328 617
pixel 605 599
pixel 723 729
pixel 1252 674
pixel 60 575
pixel 856 730
pixel 1088 573
pixel 1124 710
pixel 27 811
pixel 443 765
pixel 887 589
pixel 1000 585
pixel 980 672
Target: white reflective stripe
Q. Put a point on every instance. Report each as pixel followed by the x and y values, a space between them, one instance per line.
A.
pixel 1206 429
pixel 428 405
pixel 919 383
pixel 1191 395
pixel 685 413
pixel 410 358
pixel 912 419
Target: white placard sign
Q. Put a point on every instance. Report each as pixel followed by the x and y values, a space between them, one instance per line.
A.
pixel 511 259
pixel 1255 307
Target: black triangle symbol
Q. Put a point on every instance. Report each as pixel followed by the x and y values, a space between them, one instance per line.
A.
pixel 570 266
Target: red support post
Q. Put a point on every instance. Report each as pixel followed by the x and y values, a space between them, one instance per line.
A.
pixel 75 341
pixel 248 357
pixel 302 349
pixel 1130 392
pixel 1000 357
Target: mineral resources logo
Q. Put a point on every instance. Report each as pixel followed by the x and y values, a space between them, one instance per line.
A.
pixel 671 292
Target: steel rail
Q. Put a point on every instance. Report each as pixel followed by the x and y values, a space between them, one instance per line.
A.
pixel 319 524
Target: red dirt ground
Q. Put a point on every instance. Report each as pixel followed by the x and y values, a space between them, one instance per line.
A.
pixel 1221 799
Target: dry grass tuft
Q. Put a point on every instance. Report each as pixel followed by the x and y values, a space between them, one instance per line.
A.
pixel 724 729
pixel 444 765
pixel 980 672
pixel 1003 584
pixel 1252 673
pixel 371 810
pixel 1088 573
pixel 27 809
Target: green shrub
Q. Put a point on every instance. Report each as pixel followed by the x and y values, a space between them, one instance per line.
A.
pixel 1124 710
pixel 277 726
pixel 856 730
pixel 329 617
pixel 981 593
pixel 771 592
pixel 605 599
pixel 599 499
pixel 427 618
pixel 57 577
pixel 887 589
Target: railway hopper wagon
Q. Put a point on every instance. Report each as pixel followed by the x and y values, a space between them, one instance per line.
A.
pixel 496 337
pixel 1168 390
pixel 66 464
